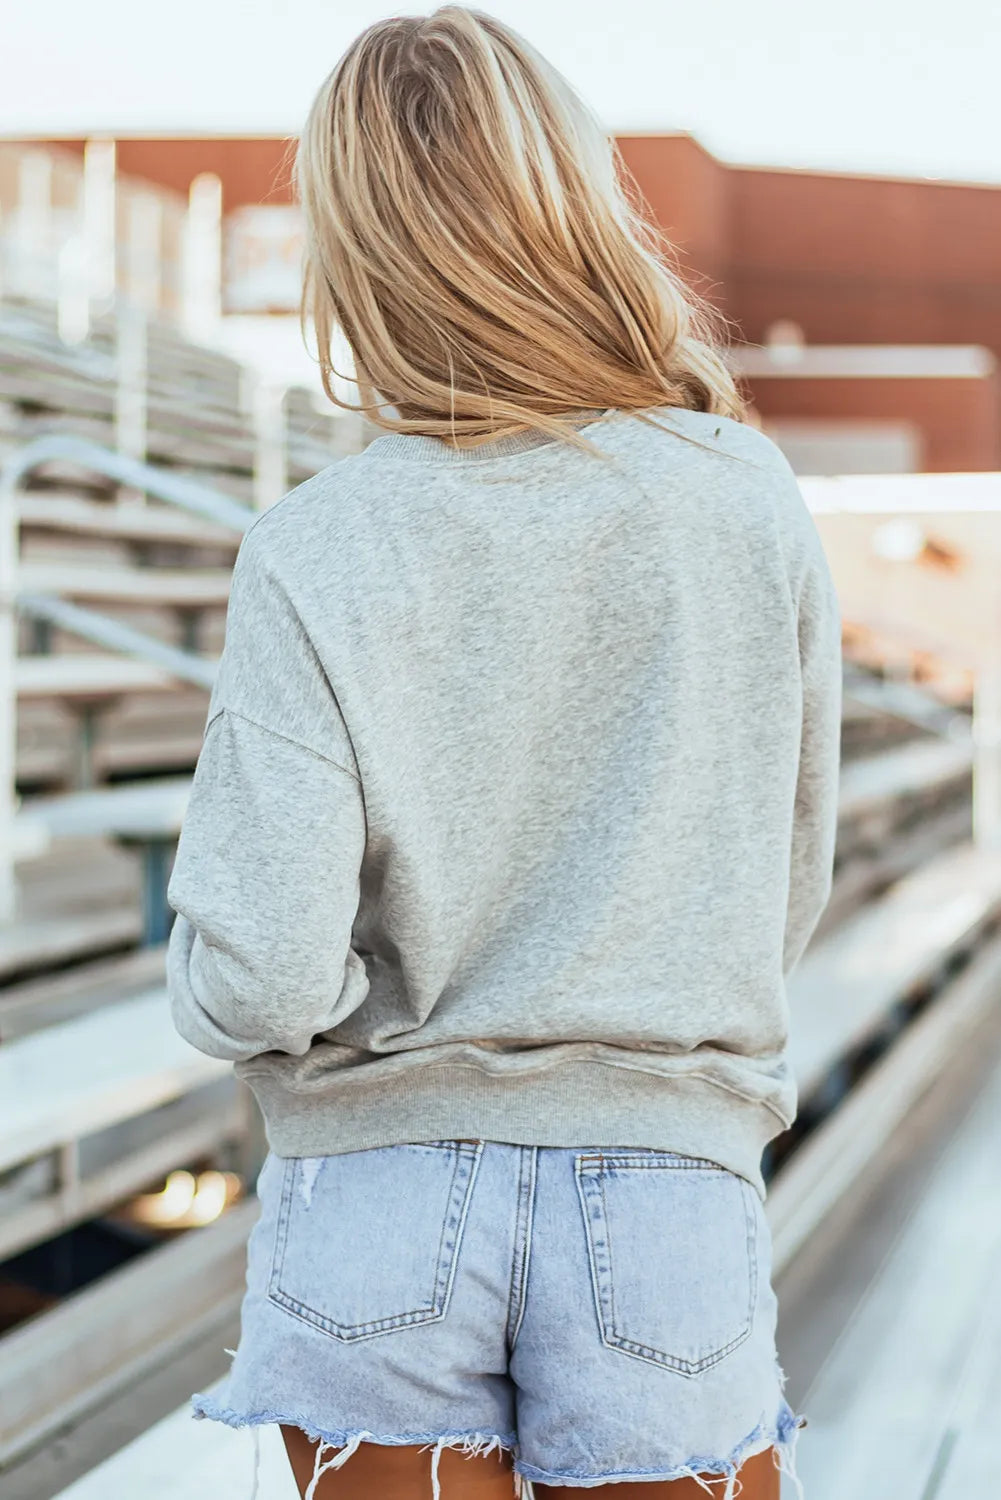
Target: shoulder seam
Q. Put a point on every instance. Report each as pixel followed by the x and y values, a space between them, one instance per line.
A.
pixel 271 509
pixel 276 734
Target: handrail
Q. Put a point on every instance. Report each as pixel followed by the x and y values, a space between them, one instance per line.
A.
pixel 200 671
pixel 172 489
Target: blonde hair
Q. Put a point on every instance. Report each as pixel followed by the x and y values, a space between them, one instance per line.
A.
pixel 468 230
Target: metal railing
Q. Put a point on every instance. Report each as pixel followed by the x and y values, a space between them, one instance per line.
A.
pixel 173 489
pixel 116 636
pixel 197 499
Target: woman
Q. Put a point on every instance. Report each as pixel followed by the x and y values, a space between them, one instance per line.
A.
pixel 516 806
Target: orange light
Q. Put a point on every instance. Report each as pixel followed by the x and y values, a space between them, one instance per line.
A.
pixel 186 1201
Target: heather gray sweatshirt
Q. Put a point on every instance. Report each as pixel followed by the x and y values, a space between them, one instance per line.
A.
pixel 517 798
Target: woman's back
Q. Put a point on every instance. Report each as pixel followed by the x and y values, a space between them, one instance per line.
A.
pixel 558 697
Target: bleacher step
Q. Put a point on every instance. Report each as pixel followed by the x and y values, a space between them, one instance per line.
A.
pixel 82 675
pixel 135 523
pixel 129 810
pixel 846 986
pixel 882 1413
pixel 917 769
pixel 135 1062
pixel 47 941
pixel 185 1459
pixel 850 1143
pixel 57 1367
pixel 33 1004
pixel 195 587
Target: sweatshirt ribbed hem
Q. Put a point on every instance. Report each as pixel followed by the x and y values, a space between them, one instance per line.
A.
pixel 583 1104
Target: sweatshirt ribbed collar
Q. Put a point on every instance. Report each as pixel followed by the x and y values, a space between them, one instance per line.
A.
pixel 432 450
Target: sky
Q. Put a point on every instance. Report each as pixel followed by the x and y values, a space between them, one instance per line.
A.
pixel 887 86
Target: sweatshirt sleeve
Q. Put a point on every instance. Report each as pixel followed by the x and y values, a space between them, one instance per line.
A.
pixel 266 879
pixel 815 815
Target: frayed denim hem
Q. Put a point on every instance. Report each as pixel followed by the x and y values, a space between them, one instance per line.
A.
pixel 707 1472
pixel 472 1444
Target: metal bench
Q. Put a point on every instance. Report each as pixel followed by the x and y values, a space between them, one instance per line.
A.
pixel 49 941
pixel 37 591
pixel 97 1344
pixel 87 677
pixel 896 808
pixel 146 816
pixel 75 1080
pixel 849 988
pixel 195 588
pixel 915 771
pixel 45 511
pixel 94 1110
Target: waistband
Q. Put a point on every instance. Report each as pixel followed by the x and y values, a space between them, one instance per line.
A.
pixel 573 1104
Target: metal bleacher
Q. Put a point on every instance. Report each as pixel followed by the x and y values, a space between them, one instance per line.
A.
pixel 909 1394
pixel 100 560
pixel 136 1062
pixel 120 569
pixel 935 916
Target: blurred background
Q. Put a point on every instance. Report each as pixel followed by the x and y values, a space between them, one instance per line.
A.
pixel 833 186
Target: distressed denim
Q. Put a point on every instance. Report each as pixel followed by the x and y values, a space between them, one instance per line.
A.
pixel 605 1313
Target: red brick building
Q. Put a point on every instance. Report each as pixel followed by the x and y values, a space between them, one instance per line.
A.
pixel 849 259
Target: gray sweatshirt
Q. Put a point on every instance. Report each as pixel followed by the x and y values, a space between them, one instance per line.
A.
pixel 518 793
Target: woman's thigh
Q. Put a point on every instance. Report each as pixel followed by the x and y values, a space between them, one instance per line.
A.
pixel 758 1477
pixel 404 1473
pixel 378 1471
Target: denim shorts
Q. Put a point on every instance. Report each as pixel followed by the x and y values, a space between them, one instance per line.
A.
pixel 604 1313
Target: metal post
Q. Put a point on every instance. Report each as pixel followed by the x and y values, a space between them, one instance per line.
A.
pixel 68 1174
pixel 270 444
pixel 987 754
pixel 87 716
pixel 142 294
pixel 131 336
pixel 190 620
pixel 73 291
pixel 41 637
pixel 157 856
pixel 100 221
pixel 202 305
pixel 144 268
pixel 247 382
pixel 8 698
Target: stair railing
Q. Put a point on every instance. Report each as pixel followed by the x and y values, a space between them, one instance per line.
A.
pixel 113 635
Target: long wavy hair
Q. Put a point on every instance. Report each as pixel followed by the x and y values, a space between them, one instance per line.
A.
pixel 471 231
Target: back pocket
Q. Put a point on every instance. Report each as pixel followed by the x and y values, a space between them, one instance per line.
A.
pixel 368 1241
pixel 672 1246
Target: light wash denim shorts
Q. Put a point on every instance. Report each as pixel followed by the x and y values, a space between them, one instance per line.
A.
pixel 605 1313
